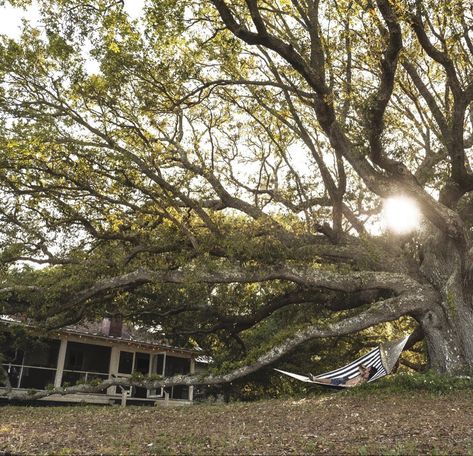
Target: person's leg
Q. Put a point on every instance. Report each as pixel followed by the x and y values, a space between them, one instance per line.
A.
pixel 325 381
pixel 329 381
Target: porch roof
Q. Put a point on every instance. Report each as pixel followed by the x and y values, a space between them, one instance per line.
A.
pixel 92 334
pixel 127 341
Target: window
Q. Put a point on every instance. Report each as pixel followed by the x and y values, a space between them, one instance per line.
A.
pixel 75 359
pixel 43 354
pixel 179 392
pixel 175 365
pixel 125 365
pixel 13 356
pixel 142 363
pixel 87 357
pixel 37 378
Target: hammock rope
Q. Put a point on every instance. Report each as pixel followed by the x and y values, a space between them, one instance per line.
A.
pixel 383 357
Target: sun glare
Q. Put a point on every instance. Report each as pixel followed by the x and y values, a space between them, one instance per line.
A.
pixel 401 214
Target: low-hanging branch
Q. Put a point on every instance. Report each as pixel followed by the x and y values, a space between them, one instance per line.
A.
pixel 305 276
pixel 318 300
pixel 382 311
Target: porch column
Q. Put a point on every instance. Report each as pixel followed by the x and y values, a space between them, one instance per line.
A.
pixel 113 368
pixel 61 358
pixel 191 388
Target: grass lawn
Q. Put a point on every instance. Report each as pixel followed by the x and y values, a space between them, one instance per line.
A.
pixel 336 423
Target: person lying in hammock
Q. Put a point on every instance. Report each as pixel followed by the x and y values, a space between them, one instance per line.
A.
pixel 365 374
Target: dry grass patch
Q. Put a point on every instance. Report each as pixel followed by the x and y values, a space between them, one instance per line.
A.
pixel 403 423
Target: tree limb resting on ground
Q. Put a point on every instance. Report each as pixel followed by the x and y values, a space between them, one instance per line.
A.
pixel 380 312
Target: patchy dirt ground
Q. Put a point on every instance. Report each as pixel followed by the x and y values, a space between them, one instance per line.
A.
pixel 407 423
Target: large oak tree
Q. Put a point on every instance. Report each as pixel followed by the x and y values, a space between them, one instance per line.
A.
pixel 219 162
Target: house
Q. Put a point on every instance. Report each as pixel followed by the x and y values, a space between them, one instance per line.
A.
pixel 101 351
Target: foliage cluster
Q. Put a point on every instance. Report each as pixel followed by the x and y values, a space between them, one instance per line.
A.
pixel 430 381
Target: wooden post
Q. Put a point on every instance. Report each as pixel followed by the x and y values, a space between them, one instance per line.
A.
pixel 124 396
pixel 61 358
pixel 113 368
pixel 166 398
pixel 191 388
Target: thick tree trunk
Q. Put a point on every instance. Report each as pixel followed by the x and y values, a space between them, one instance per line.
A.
pixel 448 324
pixel 447 347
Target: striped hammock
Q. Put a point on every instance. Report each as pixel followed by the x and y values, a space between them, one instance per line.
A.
pixel 383 357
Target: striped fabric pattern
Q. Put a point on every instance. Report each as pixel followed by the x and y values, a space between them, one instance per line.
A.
pixel 372 358
pixel 383 357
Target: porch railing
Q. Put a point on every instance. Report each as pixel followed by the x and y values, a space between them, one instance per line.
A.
pixel 26 376
pixel 78 376
pixel 38 377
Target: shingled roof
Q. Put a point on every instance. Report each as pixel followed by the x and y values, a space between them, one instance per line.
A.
pixel 98 331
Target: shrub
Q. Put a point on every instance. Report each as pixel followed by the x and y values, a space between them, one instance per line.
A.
pixel 429 382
